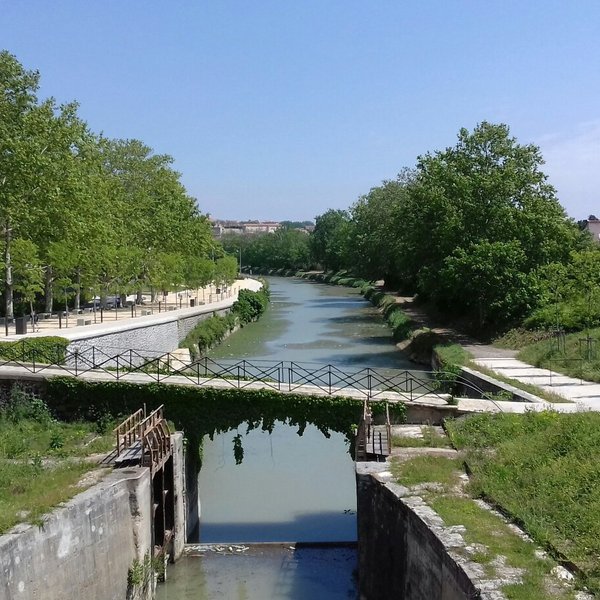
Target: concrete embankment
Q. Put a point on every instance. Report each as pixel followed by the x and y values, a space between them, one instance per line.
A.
pixel 97 546
pixel 404 548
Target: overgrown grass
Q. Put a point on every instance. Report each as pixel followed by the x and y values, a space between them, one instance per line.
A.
pixel 488 529
pixel 575 358
pixel 427 469
pixel 518 338
pixel 544 470
pixel 41 458
pixel 29 489
pixel 451 356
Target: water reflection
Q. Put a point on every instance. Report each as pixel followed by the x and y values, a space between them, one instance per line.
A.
pixel 288 488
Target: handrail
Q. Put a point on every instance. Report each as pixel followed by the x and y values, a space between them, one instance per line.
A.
pixel 128 432
pixel 330 379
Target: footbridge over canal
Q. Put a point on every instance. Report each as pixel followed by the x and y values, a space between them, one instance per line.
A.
pixel 96 364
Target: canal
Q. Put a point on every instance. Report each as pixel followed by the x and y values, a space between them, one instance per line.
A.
pixel 289 488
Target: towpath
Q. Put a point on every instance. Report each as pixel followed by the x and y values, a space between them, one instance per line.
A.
pixel 503 361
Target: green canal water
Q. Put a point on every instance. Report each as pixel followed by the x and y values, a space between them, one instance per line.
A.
pixel 289 488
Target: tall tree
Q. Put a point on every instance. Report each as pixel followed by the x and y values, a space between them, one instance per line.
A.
pixel 327 239
pixel 486 189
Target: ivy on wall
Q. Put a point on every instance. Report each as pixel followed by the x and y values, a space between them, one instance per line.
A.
pixel 200 411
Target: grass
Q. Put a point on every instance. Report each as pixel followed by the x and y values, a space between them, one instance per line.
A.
pixel 41 459
pixel 451 355
pixel 427 469
pixel 572 360
pixel 518 338
pixel 29 490
pixel 29 438
pixel 543 469
pixel 483 527
pixel 486 528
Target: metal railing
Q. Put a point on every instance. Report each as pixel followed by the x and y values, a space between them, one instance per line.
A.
pixel 130 364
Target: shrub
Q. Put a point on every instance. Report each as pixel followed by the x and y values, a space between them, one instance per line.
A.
pixel 49 349
pixel 248 307
pixel 23 405
pixel 400 323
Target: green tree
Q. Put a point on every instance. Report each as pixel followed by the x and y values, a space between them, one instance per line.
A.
pixel 327 241
pixel 486 189
pixel 28 271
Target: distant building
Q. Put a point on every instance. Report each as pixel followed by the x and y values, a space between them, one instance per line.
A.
pixel 221 228
pixel 593 226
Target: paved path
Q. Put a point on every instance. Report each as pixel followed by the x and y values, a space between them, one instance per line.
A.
pixel 125 321
pixel 584 393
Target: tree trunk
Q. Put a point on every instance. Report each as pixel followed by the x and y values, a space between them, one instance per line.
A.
pixel 78 288
pixel 49 290
pixel 32 315
pixel 8 278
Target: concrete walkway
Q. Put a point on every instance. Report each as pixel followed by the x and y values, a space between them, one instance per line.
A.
pixel 585 393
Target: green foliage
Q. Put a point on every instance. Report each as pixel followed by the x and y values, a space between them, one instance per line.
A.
pixel 210 332
pixel 285 249
pixel 251 305
pixel 21 406
pixel 200 411
pixel 473 229
pixel 400 323
pixel 80 211
pixel 47 349
pixel 542 468
pixel 572 355
pixel 329 239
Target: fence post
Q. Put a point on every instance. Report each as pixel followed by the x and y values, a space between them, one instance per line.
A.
pixel 117 357
pixel 290 375
pixel 76 362
pixel 33 358
pixel 93 357
pixel 329 377
pixel 130 359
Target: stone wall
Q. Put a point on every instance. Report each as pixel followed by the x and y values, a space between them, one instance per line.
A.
pixel 404 549
pixel 84 549
pixel 149 339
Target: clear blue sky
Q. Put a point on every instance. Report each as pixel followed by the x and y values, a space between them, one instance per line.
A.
pixel 282 109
